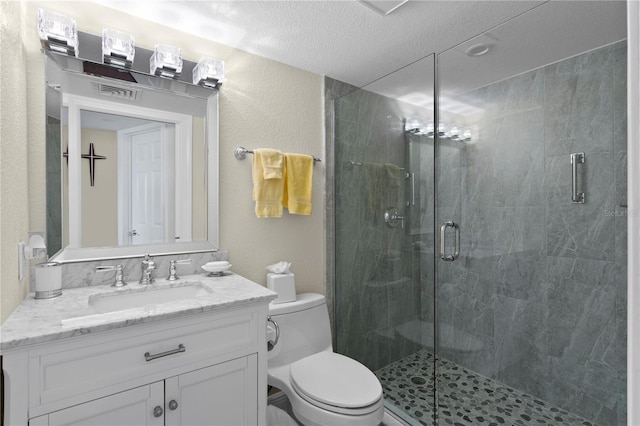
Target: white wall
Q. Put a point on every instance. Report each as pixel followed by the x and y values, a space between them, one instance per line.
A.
pixel 14 202
pixel 262 104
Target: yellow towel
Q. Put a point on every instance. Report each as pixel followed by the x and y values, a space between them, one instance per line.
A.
pixel 375 176
pixel 383 185
pixel 267 191
pixel 298 181
pixel 272 163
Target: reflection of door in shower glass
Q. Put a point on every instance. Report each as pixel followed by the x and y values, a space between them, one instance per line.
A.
pixel 384 234
pixel 531 317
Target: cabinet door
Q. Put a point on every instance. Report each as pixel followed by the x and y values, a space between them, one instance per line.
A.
pixel 225 394
pixel 132 407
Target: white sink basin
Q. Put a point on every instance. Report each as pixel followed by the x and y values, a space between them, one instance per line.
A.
pixel 140 297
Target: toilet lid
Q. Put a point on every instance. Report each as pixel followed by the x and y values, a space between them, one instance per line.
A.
pixel 335 380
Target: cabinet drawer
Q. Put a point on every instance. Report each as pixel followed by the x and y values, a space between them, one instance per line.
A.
pixel 81 370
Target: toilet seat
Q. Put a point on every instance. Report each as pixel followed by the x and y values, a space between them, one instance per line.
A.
pixel 336 383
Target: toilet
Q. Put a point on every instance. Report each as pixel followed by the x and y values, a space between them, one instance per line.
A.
pixel 324 388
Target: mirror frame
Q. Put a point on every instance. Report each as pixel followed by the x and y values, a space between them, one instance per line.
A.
pixel 70 254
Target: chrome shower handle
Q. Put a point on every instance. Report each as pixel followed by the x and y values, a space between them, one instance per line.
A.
pixel 576 158
pixel 412 177
pixel 443 231
pixel 393 218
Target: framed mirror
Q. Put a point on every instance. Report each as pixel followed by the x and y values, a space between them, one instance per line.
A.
pixel 132 162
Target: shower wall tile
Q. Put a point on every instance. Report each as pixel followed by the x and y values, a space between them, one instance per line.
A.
pixel 514 349
pixel 578 94
pixel 551 273
pixel 565 303
pixel 620 96
pixel 522 93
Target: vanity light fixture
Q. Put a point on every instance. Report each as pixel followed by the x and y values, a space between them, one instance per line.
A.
pixel 209 72
pixel 117 48
pixel 58 32
pixel 166 61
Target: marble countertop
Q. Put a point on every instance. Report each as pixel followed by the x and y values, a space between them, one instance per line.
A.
pixel 44 320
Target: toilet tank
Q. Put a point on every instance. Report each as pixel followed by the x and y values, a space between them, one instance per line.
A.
pixel 304 329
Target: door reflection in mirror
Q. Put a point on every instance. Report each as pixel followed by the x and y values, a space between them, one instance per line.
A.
pixel 135 193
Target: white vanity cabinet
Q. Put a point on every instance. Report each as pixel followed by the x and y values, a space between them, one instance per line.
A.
pixel 202 369
pixel 132 407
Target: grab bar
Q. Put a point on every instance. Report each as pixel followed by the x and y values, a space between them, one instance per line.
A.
pixel 576 158
pixel 443 230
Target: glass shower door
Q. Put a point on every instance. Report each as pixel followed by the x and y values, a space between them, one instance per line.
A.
pixel 384 234
pixel 531 312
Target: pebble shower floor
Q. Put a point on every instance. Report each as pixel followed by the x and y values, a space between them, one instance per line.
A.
pixel 465 397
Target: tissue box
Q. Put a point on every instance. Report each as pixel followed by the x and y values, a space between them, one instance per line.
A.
pixel 284 285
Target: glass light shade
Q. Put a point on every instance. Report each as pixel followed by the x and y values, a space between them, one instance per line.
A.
pixel 117 48
pixel 58 32
pixel 412 125
pixel 429 129
pixel 454 132
pixel 166 61
pixel 209 72
pixel 466 135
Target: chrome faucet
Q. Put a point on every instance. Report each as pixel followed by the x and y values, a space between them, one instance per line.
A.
pixel 147 266
pixel 119 274
pixel 173 276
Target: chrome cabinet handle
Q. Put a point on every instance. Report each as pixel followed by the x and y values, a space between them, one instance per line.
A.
pixel 443 231
pixel 173 404
pixel 272 343
pixel 576 158
pixel 148 357
pixel 158 411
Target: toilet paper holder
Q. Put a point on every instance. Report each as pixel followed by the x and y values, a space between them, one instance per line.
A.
pixel 272 343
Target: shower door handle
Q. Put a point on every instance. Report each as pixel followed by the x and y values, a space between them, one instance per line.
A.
pixel 576 158
pixel 443 231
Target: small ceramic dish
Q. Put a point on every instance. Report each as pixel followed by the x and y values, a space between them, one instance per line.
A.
pixel 216 269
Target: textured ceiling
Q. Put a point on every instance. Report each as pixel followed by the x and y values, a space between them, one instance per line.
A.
pixel 349 41
pixel 342 39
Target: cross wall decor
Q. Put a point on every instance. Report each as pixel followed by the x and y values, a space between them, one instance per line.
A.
pixel 92 157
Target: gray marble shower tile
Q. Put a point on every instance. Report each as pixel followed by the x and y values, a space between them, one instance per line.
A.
pixel 515 360
pixel 520 272
pixel 579 104
pixel 516 95
pixel 573 306
pixel 504 168
pixel 620 96
pixel 620 209
pixel 373 306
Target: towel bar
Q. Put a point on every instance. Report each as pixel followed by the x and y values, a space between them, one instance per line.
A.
pixel 358 164
pixel 241 153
